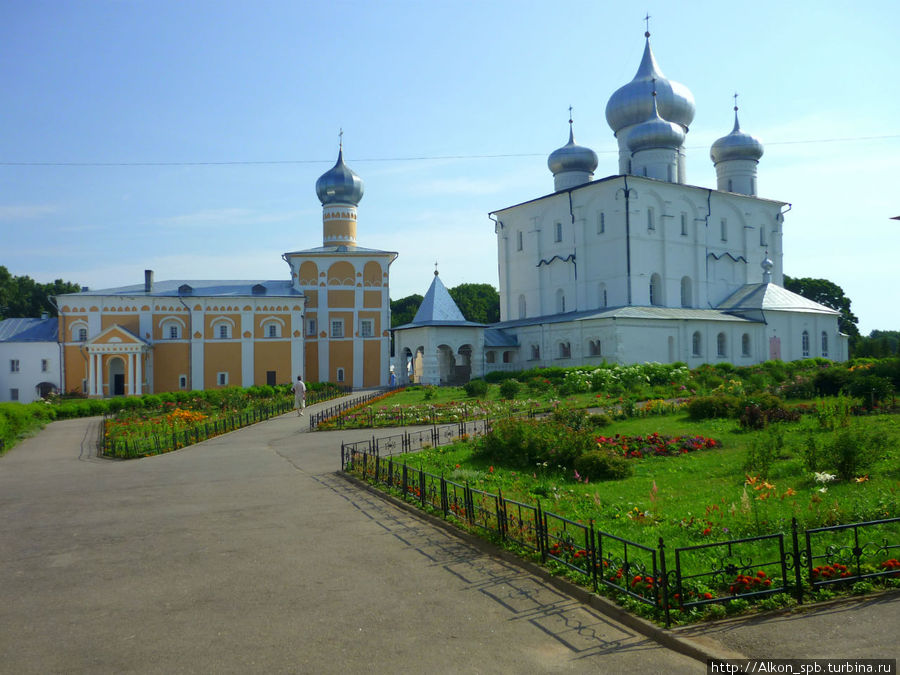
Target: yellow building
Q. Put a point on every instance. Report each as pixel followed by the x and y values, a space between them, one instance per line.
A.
pixel 329 322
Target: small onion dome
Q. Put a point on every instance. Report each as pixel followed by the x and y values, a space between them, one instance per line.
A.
pixel 736 145
pixel 630 104
pixel 572 157
pixel 655 132
pixel 339 185
pixel 767 264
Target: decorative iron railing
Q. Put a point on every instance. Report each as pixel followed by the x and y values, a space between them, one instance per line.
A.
pixel 715 572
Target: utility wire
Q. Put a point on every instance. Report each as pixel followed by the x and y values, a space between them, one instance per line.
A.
pixel 419 158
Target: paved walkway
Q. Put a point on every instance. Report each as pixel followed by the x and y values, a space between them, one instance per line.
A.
pixel 247 554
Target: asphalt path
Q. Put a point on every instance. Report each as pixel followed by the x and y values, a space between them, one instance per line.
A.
pixel 247 554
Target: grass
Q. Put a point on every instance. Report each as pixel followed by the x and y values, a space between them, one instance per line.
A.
pixel 697 497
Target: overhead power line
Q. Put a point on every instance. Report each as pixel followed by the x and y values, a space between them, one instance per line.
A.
pixel 413 158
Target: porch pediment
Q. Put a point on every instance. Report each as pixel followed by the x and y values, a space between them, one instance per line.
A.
pixel 116 339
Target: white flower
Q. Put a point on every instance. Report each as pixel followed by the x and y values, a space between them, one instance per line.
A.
pixel 824 477
pixel 823 489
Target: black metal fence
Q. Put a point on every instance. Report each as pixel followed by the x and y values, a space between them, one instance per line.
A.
pixel 339 409
pixel 155 444
pixel 716 572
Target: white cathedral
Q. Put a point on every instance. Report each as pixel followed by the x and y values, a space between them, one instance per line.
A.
pixel 635 267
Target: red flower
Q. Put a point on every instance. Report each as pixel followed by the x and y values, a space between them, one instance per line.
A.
pixel 707 596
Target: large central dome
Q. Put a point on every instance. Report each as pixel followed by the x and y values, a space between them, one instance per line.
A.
pixel 632 103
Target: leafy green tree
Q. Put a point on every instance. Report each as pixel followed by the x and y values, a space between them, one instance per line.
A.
pixel 477 302
pixel 404 310
pixel 24 297
pixel 878 344
pixel 826 293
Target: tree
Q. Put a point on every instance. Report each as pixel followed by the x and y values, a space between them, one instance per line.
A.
pixel 23 297
pixel 829 294
pixel 404 310
pixel 477 302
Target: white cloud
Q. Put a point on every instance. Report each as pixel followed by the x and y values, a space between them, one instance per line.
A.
pixel 27 211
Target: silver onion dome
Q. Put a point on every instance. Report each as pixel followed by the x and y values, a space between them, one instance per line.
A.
pixel 339 185
pixel 572 157
pixel 630 103
pixel 736 145
pixel 655 132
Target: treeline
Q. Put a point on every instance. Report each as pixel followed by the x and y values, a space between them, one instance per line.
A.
pixel 23 297
pixel 477 302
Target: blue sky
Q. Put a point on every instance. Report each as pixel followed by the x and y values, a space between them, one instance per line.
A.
pixel 449 111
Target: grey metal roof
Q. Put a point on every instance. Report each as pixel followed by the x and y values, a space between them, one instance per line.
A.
pixel 497 337
pixel 199 288
pixel 771 297
pixel 29 330
pixel 658 313
pixel 343 250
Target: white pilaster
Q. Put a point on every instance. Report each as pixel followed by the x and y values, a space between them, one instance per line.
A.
pixel 247 356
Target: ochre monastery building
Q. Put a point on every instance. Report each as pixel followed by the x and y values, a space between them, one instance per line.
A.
pixel 329 322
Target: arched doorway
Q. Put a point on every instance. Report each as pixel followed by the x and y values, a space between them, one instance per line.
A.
pixel 116 382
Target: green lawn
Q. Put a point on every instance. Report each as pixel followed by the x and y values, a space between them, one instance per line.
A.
pixel 698 497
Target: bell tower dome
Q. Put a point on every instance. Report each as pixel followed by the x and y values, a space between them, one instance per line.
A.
pixel 340 190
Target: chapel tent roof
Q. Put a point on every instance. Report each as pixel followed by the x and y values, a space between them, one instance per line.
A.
pixel 438 309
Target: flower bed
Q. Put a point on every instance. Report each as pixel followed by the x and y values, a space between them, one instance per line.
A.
pixel 655 445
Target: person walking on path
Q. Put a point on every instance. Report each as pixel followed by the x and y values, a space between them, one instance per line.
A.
pixel 299 390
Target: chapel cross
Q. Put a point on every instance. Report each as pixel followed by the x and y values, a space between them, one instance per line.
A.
pixel 647 20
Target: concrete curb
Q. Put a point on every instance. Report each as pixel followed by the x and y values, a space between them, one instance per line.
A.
pixel 702 649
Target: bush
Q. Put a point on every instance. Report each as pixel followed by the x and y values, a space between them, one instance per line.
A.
pixel 602 465
pixel 477 388
pixel 831 381
pixel 872 389
pixel 509 389
pixel 710 407
pixel 529 443
pixel 430 391
pixel 539 385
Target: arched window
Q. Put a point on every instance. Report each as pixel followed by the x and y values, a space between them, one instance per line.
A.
pixel 560 301
pixel 804 343
pixel 565 351
pixel 721 345
pixel 173 331
pixel 223 331
pixel 82 334
pixel 594 348
pixel 655 289
pixel 696 344
pixel 557 236
pixel 535 352
pixel 507 357
pixel 745 344
pixel 272 330
pixel 522 313
pixel 686 295
pixel 824 344
pixel 491 357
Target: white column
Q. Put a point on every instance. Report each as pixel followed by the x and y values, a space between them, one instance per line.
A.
pixel 247 348
pixel 91 375
pixel 131 371
pixel 139 374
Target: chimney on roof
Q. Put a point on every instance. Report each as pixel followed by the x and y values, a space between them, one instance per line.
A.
pixel 148 281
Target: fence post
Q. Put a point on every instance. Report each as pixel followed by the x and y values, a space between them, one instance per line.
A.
pixel 593 555
pixel 665 580
pixel 421 487
pixel 798 588
pixel 390 480
pixel 405 481
pixel 444 501
pixel 542 545
pixel 498 502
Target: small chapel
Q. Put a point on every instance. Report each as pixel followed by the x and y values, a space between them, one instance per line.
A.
pixel 634 267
